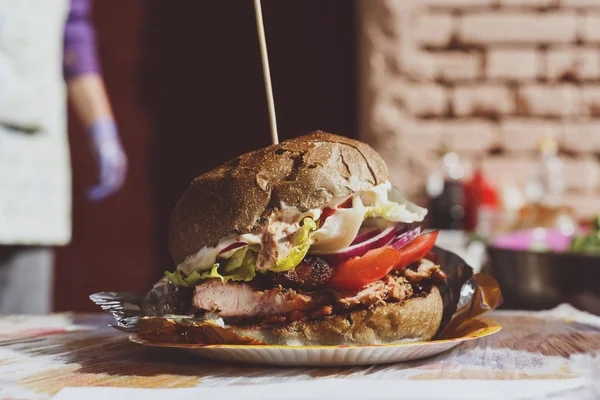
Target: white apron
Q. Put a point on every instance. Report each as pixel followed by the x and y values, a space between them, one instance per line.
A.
pixel 35 177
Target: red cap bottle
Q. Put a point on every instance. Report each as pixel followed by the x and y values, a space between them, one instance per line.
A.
pixel 480 197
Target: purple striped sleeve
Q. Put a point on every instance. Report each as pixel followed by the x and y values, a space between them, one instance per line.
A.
pixel 80 55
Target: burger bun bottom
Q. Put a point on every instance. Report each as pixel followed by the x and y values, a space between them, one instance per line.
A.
pixel 415 319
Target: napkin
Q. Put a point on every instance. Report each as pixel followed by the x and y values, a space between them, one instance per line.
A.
pixel 350 389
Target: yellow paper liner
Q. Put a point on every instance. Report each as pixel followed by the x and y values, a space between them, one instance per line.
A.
pixel 472 329
pixel 481 294
pixel 486 297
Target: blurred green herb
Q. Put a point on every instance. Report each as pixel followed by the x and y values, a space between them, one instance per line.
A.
pixel 589 243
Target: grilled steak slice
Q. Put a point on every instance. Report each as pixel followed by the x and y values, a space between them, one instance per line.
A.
pixel 311 273
pixel 242 301
pixel 423 270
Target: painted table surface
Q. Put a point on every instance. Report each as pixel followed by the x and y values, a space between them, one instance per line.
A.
pixel 40 355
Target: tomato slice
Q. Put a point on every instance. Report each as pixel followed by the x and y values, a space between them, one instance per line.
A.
pixel 417 249
pixel 326 213
pixel 346 204
pixel 358 272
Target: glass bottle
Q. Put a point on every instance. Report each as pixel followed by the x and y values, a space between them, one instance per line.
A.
pixel 547 187
pixel 446 194
pixel 481 204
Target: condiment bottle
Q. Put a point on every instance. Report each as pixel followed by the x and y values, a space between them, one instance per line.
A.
pixel 547 187
pixel 545 194
pixel 446 195
pixel 481 204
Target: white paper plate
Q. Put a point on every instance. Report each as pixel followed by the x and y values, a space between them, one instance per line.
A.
pixel 330 355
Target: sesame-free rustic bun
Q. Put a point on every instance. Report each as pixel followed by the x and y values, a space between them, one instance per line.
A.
pixel 415 319
pixel 304 172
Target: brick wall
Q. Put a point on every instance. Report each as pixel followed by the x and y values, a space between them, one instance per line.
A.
pixel 486 78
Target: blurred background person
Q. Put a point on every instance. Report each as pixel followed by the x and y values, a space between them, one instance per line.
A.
pixel 36 39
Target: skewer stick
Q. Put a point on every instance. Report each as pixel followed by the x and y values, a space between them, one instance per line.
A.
pixel 266 71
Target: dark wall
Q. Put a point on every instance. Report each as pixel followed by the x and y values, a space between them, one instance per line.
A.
pixel 205 91
pixel 186 83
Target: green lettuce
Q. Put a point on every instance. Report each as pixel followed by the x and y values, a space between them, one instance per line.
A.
pixel 298 251
pixel 589 243
pixel 241 266
pixel 387 211
pixel 396 208
pixel 187 281
pixel 240 257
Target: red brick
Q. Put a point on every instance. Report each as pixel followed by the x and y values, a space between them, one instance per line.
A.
pixel 580 3
pixel 457 66
pixel 463 136
pixel 456 3
pixel 512 64
pixel 514 27
pixel 573 63
pixel 434 29
pixel 409 157
pixel 585 205
pixel 510 170
pixel 581 173
pixel 582 137
pixel 384 116
pixel 548 101
pixel 589 26
pixel 426 99
pixel 483 100
pixel 527 134
pixel 590 95
pixel 527 3
pixel 469 135
pixel 424 135
pixel 416 65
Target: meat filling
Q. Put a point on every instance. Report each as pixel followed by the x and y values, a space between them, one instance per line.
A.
pixel 242 300
pixel 423 270
pixel 311 273
pixel 245 301
pixel 389 288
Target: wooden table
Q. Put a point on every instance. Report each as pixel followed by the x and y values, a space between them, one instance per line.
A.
pixel 41 355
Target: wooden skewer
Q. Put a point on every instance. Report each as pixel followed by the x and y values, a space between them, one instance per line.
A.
pixel 266 71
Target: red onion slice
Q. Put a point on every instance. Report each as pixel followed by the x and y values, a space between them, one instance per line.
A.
pixel 365 236
pixel 233 246
pixel 400 228
pixel 405 238
pixel 359 249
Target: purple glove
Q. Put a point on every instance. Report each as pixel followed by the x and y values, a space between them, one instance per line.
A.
pixel 111 158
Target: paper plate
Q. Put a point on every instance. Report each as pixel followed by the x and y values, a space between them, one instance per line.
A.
pixel 333 355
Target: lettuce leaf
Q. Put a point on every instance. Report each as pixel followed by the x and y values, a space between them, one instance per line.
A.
pixel 241 266
pixel 187 281
pixel 395 212
pixel 298 251
pixel 241 258
pixel 590 243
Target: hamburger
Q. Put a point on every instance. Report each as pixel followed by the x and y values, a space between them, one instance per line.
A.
pixel 307 243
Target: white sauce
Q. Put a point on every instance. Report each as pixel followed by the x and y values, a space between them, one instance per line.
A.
pixel 338 231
